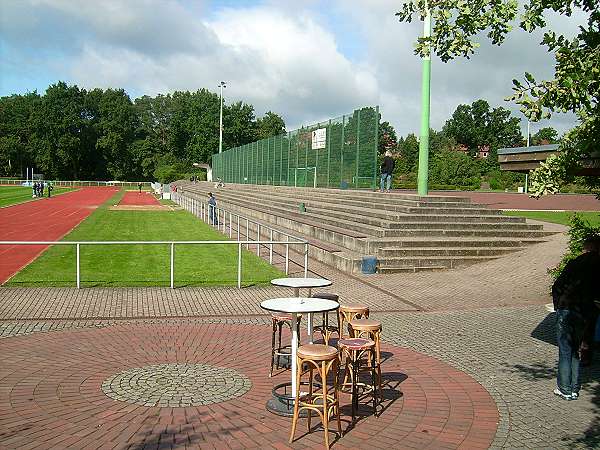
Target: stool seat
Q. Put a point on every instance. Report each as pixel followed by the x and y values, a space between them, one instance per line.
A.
pixel 365 324
pixel 281 317
pixel 356 343
pixel 327 296
pixel 317 352
pixel 353 308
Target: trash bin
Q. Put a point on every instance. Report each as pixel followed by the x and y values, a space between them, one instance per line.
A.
pixel 520 189
pixel 302 207
pixel 369 264
pixel 344 185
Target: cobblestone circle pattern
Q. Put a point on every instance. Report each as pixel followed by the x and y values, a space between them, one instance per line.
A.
pixel 176 385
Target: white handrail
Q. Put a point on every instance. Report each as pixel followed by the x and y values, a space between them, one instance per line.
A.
pixel 184 201
pixel 172 244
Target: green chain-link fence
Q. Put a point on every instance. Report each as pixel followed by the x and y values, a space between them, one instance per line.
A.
pixel 341 152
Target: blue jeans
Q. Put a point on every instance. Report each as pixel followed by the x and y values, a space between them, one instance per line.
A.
pixel 569 333
pixel 384 177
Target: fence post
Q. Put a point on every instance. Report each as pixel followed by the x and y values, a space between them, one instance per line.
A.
pixel 247 234
pixel 230 227
pixel 239 265
pixel 78 270
pixel 172 264
pixel 271 247
pixel 238 227
pixel 258 239
pixel 306 260
pixel 287 256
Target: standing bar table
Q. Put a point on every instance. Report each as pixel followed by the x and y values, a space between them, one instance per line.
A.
pixel 303 283
pixel 283 403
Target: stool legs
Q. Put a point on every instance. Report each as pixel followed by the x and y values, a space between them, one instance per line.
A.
pixel 325 409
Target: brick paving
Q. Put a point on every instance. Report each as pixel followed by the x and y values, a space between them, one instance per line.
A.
pixel 471 363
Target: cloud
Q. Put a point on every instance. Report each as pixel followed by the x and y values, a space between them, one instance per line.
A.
pixel 308 60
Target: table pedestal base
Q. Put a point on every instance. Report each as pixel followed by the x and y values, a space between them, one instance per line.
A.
pixel 282 402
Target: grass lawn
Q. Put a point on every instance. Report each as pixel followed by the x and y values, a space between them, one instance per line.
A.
pixel 11 195
pixel 143 265
pixel 562 217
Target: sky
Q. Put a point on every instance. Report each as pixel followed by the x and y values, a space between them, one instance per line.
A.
pixel 307 60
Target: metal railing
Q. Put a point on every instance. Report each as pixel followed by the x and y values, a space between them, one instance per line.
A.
pixel 172 244
pixel 19 182
pixel 202 210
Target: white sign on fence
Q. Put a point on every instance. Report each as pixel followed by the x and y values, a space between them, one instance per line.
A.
pixel 318 138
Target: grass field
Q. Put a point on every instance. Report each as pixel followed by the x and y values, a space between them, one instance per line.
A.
pixel 562 217
pixel 11 195
pixel 143 265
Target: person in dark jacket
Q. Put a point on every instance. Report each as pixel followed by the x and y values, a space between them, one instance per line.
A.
pixel 387 169
pixel 212 209
pixel 574 293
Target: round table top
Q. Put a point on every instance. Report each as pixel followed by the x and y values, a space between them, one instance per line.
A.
pixel 299 305
pixel 301 282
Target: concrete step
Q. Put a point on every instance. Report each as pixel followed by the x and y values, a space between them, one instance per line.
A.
pixel 389 202
pixel 466 233
pixel 334 208
pixel 473 241
pixel 389 264
pixel 341 193
pixel 445 251
pixel 482 225
pixel 454 218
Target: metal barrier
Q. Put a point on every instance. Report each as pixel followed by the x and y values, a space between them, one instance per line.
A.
pixel 201 210
pixel 19 182
pixel 172 244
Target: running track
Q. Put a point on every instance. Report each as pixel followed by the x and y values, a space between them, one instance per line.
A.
pixel 48 219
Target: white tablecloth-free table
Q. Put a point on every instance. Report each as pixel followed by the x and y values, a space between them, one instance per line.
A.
pixel 295 306
pixel 298 283
pixel 303 283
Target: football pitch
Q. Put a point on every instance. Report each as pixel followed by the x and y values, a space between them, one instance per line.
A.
pixel 147 264
pixel 12 195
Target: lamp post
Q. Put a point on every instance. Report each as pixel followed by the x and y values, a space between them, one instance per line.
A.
pixel 221 86
pixel 423 172
pixel 527 173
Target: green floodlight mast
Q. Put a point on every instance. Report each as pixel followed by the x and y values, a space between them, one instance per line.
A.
pixel 423 172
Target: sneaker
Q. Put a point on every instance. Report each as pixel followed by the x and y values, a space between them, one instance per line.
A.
pixel 574 395
pixel 558 392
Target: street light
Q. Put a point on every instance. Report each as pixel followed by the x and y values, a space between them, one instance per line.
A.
pixel 221 86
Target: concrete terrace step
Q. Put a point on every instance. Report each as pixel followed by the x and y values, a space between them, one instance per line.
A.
pixel 482 225
pixel 389 202
pixel 407 232
pixel 390 264
pixel 409 242
pixel 466 233
pixel 385 253
pixel 365 214
pixel 343 193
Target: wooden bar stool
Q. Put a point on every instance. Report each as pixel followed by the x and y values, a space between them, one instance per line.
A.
pixel 278 321
pixel 354 351
pixel 347 313
pixel 369 329
pixel 324 359
pixel 325 328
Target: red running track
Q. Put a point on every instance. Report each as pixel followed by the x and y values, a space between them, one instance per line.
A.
pixel 47 219
pixel 139 199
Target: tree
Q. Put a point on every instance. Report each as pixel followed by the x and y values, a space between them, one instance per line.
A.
pixel 576 83
pixel 387 138
pixel 454 168
pixel 546 135
pixel 408 148
pixel 477 126
pixel 270 124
